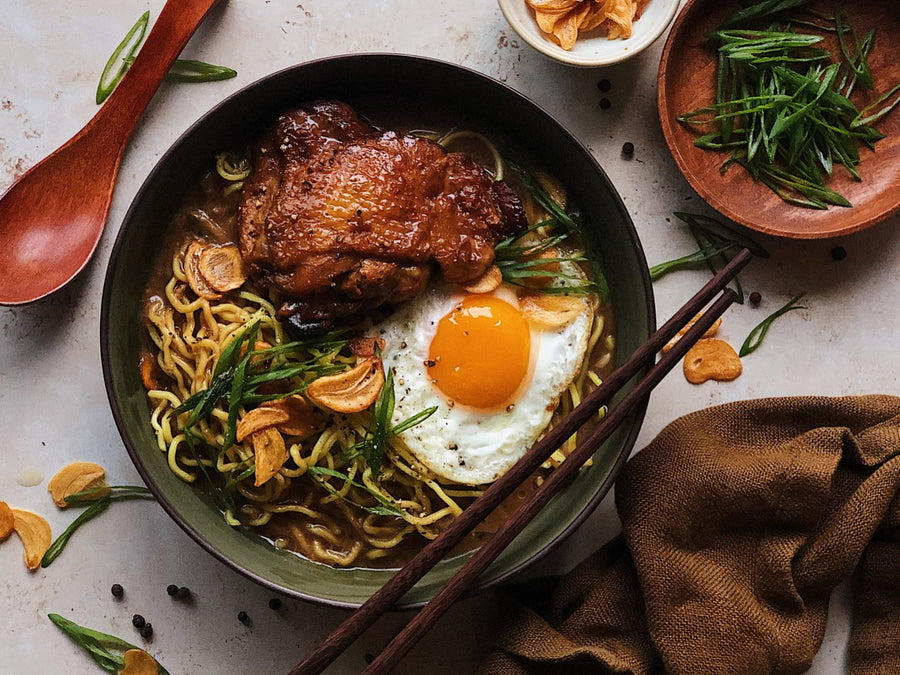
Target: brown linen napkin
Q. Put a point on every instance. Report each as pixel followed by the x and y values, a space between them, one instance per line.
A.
pixel 738 521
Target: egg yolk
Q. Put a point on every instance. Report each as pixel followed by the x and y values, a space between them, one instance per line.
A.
pixel 480 352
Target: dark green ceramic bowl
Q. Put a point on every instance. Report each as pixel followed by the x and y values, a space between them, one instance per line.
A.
pixel 382 87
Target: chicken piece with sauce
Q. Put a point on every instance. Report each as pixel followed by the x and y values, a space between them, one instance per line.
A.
pixel 337 216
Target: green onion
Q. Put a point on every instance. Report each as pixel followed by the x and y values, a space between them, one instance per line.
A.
pixel 222 494
pixel 386 508
pixel 716 242
pixel 187 70
pixel 510 252
pixel 118 61
pixel 783 111
pixel 106 650
pixel 183 70
pixel 115 493
pixel 759 10
pixel 758 334
pixel 689 261
pixel 542 197
pixel 237 378
pixel 373 445
pixel 232 167
pixel 863 119
pixel 722 232
pixel 380 431
pixel 238 374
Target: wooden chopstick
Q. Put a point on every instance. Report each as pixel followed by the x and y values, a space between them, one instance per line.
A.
pixel 552 485
pixel 383 599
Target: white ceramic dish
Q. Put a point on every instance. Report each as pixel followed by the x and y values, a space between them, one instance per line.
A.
pixel 594 49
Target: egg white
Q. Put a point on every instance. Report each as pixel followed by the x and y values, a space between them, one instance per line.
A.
pixel 464 444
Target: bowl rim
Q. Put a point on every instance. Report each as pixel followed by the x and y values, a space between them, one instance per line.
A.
pixel 105 322
pixel 557 53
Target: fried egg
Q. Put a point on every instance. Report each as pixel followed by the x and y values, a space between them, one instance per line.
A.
pixel 495 377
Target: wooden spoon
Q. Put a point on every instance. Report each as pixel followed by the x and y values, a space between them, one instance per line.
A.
pixel 52 217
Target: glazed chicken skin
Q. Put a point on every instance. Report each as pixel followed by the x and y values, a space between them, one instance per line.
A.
pixel 337 216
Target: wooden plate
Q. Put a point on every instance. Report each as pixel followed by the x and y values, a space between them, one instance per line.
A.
pixel 687 81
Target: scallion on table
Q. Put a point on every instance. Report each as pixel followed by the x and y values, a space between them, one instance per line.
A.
pixel 183 70
pixel 758 334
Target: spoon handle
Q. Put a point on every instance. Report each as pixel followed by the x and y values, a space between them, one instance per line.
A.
pixel 172 29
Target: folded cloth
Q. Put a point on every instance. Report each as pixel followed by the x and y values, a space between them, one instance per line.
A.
pixel 738 521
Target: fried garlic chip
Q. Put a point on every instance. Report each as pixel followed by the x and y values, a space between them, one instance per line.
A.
pixel 711 359
pixel 139 662
pixel 269 453
pixel 710 332
pixel 7 521
pixel 566 29
pixel 487 282
pixel 73 478
pixel 564 20
pixel 551 311
pixel 620 13
pixel 34 531
pixel 351 391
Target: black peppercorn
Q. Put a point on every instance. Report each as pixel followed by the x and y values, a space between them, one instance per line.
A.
pixel 275 603
pixel 147 631
pixel 605 103
pixel 628 149
pixel 117 590
pixel 183 592
pixel 604 85
pixel 755 298
pixel 243 617
pixel 138 621
pixel 171 589
pixel 838 253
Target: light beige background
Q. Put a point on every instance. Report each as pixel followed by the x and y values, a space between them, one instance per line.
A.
pixel 53 406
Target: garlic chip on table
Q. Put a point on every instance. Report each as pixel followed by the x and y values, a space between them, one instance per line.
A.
pixel 711 359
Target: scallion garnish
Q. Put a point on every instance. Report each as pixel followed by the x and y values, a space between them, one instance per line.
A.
pixel 188 70
pixel 183 70
pixel 521 258
pixel 110 494
pixel 782 102
pixel 237 377
pixel 386 508
pixel 689 261
pixel 372 448
pixel 758 334
pixel 373 445
pixel 716 241
pixel 118 61
pixel 106 650
pixel 759 10
pixel 242 370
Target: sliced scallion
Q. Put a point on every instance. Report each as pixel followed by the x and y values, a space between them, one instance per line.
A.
pixel 386 508
pixel 106 650
pixel 188 70
pixel 118 62
pixel 183 70
pixel 758 334
pixel 115 493
pixel 782 102
pixel 689 261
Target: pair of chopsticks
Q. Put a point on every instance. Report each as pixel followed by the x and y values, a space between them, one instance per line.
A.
pixel 383 599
